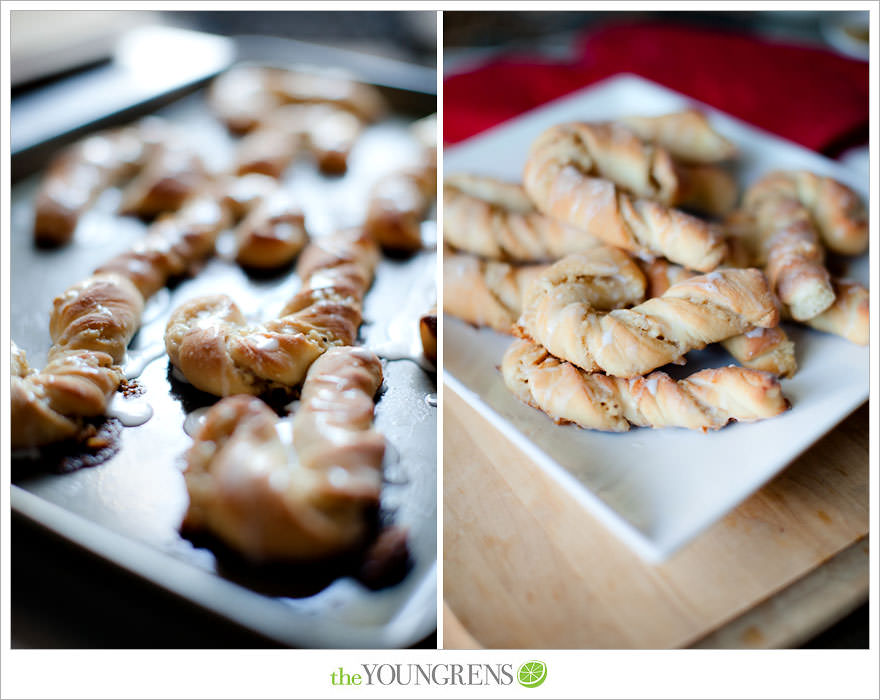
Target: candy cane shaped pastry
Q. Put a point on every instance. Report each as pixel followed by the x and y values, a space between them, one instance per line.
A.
pixel 686 135
pixel 707 400
pixel 602 179
pixel 696 149
pixel 270 230
pixel 766 349
pixel 172 175
pixel 792 249
pixel 847 316
pixel 559 315
pixel 78 175
pixel 92 323
pixel 400 200
pixel 240 97
pixel 835 210
pixel 323 130
pixel 328 88
pixel 210 342
pixel 496 219
pixel 273 490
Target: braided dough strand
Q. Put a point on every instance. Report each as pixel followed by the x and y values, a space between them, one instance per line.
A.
pixel 565 177
pixel 485 292
pixel 78 175
pixel 628 342
pixel 274 491
pixel 687 135
pixel 497 220
pixel 209 340
pixel 847 316
pixel 765 349
pixel 400 200
pixel 792 249
pixel 707 400
pixel 92 323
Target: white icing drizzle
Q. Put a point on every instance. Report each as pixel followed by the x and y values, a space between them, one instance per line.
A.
pixel 130 413
pixel 431 400
pixel 137 360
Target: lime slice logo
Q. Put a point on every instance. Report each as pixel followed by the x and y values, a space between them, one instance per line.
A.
pixel 531 674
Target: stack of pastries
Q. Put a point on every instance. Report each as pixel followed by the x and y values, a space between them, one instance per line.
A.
pixel 626 246
pixel 270 488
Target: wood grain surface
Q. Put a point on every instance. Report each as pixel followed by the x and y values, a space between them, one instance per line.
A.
pixel 525 566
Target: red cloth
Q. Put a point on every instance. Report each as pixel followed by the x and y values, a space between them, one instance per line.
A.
pixel 810 96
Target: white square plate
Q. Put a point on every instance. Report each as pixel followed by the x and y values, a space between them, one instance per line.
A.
pixel 658 489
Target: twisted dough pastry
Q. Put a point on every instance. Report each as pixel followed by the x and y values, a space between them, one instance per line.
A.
pixel 707 400
pixel 78 175
pixel 847 316
pixel 792 252
pixel 485 292
pixel 278 492
pixel 558 313
pixel 686 135
pixel 766 349
pixel 92 323
pixel 271 227
pixel 171 176
pixel 497 220
pixel 210 342
pixel 835 210
pixel 242 97
pixel 571 173
pixel 489 293
pixel 399 201
pixel 326 131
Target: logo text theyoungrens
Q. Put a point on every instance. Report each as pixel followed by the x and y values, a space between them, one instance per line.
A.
pixel 425 674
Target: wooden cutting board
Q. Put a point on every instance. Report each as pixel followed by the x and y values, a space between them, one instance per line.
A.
pixel 525 566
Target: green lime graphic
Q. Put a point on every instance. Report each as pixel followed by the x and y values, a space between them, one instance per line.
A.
pixel 532 673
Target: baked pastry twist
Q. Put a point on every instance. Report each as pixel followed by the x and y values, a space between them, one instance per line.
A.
pixel 847 316
pixel 210 342
pixel 78 175
pixel 583 174
pixel 243 96
pixel 835 210
pixel 173 246
pixel 497 220
pixel 171 176
pixel 707 400
pixel 92 323
pixel 327 132
pixel 766 349
pixel 489 293
pixel 686 135
pixel 400 200
pixel 485 292
pixel 559 314
pixel 278 491
pixel 791 250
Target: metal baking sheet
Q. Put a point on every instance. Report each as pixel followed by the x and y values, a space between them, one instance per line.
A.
pixel 128 509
